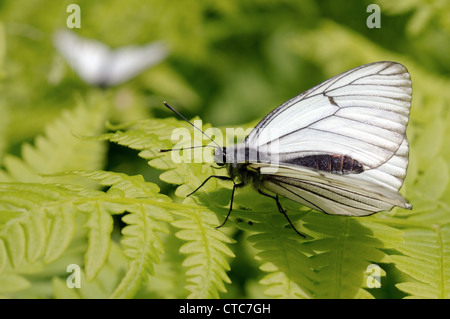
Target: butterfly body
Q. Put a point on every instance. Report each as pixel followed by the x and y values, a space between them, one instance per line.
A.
pixel 337 164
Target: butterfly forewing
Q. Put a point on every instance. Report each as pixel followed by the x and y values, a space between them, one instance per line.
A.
pixel 361 113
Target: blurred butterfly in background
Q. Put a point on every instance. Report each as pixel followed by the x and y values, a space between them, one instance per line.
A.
pixel 98 65
pixel 341 147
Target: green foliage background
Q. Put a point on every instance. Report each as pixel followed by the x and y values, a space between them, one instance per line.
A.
pixel 75 190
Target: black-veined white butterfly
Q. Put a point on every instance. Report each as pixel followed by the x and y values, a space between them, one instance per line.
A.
pixel 98 65
pixel 341 146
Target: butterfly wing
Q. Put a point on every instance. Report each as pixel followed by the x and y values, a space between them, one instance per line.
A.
pixel 361 113
pixel 127 62
pixel 351 195
pixel 98 65
pixel 86 57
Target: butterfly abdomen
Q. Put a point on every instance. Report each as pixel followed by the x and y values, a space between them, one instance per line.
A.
pixel 330 163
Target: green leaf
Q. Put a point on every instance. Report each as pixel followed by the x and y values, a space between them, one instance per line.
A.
pixel 14 240
pixel 142 245
pixel 3 256
pixel 59 150
pixel 99 224
pixel 59 205
pixel 35 228
pixel 435 180
pixel 11 283
pixel 61 290
pixel 207 252
pixel 61 231
pixel 427 260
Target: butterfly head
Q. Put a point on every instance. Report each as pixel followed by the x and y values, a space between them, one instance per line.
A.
pixel 220 156
pixel 235 154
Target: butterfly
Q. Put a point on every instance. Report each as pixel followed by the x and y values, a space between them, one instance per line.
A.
pixel 98 65
pixel 339 148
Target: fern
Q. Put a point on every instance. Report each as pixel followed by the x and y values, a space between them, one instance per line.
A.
pixel 48 215
pixel 425 254
pixel 332 263
pixel 145 219
pixel 279 249
pixel 207 259
pixel 426 259
pixel 104 284
pixel 344 248
pixel 4 112
pixel 169 278
pixel 58 149
pixel 57 207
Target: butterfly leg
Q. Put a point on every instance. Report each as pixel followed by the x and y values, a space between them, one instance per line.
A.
pixel 231 203
pixel 281 210
pixel 218 167
pixel 225 178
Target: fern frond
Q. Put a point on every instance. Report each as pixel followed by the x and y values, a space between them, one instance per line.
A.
pixel 427 260
pixel 208 254
pixel 141 244
pixel 104 283
pixel 53 209
pixel 279 285
pixel 145 219
pixel 344 247
pixel 11 282
pixel 280 250
pixel 59 150
pixel 425 252
pixel 40 223
pixel 206 247
pixel 100 225
pixel 169 280
pixel 4 121
pixel 283 257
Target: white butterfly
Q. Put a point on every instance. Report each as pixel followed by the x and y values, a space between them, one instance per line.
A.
pixel 340 148
pixel 98 65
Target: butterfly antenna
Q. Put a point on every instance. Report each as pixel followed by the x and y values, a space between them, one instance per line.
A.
pixel 181 149
pixel 180 115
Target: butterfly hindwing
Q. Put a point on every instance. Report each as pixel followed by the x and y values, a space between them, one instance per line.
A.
pixel 328 192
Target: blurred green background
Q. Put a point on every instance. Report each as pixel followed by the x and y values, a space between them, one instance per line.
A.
pixel 230 62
